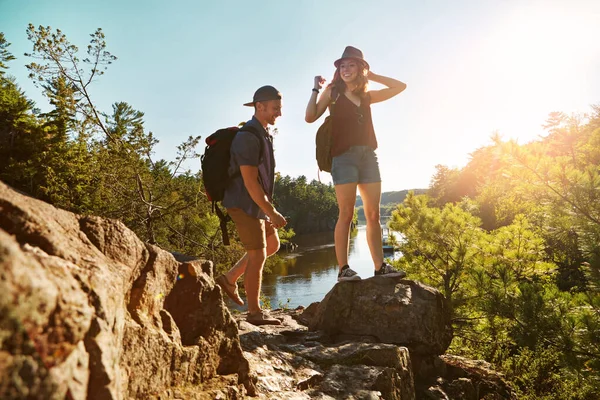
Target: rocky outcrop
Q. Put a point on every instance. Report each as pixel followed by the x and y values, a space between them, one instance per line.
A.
pixel 89 311
pixel 292 362
pixel 395 311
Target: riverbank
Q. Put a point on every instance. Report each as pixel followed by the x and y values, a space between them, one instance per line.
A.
pixel 305 276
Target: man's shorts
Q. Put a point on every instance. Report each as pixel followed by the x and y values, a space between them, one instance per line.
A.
pixel 357 165
pixel 253 232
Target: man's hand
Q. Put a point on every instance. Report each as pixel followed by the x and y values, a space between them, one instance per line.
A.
pixel 277 220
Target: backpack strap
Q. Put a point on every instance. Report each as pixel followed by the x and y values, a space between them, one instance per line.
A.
pixel 254 131
pixel 250 128
pixel 223 219
pixel 335 95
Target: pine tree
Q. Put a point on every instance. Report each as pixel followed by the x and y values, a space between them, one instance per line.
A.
pixel 5 55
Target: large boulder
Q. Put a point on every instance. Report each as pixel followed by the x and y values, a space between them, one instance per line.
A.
pixel 386 310
pixel 87 310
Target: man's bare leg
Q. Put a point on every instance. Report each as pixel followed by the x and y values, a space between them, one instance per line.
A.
pixel 253 278
pixel 240 267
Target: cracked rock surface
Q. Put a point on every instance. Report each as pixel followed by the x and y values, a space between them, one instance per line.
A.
pixel 290 362
pixel 88 311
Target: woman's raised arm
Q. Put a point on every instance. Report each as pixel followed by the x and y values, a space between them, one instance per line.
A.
pixel 314 108
pixel 394 87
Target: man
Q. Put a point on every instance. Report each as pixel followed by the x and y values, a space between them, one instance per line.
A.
pixel 248 200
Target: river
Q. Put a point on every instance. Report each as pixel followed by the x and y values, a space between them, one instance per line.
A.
pixel 305 276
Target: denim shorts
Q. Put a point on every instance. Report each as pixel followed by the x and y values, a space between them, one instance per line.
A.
pixel 357 165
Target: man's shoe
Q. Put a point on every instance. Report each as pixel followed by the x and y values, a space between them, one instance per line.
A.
pixel 262 318
pixel 390 272
pixel 230 289
pixel 348 274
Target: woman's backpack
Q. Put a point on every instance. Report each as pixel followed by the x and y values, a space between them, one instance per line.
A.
pixel 324 139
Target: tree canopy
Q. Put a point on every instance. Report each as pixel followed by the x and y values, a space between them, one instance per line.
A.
pixel 513 242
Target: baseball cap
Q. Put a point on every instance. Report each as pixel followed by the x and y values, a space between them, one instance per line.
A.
pixel 264 93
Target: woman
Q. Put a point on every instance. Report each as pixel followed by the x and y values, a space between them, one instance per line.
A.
pixel 353 150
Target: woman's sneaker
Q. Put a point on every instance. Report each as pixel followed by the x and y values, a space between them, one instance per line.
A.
pixel 390 272
pixel 348 274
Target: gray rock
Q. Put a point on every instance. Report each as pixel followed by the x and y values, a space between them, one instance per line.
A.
pixel 387 310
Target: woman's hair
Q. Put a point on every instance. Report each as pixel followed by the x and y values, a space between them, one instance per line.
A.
pixel 340 85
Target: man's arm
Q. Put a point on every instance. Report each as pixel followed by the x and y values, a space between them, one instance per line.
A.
pixel 258 195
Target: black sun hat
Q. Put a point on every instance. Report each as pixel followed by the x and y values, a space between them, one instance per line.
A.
pixel 264 93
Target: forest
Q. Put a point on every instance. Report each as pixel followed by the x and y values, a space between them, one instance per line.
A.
pixel 512 240
pixel 389 201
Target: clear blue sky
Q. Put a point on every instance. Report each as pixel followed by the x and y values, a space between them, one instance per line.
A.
pixel 472 68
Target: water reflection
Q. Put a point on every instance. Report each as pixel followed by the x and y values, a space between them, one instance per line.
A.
pixel 307 275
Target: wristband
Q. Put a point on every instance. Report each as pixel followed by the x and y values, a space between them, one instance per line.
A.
pixel 315 90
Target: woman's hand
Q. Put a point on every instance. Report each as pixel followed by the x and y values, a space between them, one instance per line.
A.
pixel 319 81
pixel 317 103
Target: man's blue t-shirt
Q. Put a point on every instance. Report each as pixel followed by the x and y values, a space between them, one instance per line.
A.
pixel 245 150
